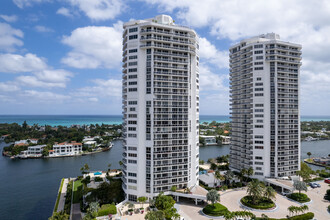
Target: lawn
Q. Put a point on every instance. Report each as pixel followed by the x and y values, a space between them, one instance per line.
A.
pixel 262 203
pixel 107 209
pixel 58 196
pixel 215 210
pixel 77 191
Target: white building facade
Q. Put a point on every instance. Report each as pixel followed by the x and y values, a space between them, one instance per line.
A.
pixel 264 87
pixel 160 107
pixel 66 149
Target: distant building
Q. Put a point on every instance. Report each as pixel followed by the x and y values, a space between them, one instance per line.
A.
pixel 209 140
pixel 32 151
pixel 264 79
pixel 208 179
pixel 66 149
pixel 27 141
pixel 225 139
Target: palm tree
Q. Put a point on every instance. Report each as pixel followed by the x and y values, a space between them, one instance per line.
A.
pixel 255 189
pixel 250 172
pixel 309 155
pixel 291 209
pixel 213 196
pixel 299 185
pixel 218 176
pixel 243 173
pixel 229 175
pixel 270 193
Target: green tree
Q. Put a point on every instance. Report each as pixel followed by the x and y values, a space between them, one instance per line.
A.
pixel 218 176
pixel 59 216
pixel 201 162
pixel 305 171
pixel 213 196
pixel 213 166
pixel 173 188
pixel 166 204
pixel 309 155
pixel 300 185
pixel 243 173
pixel 255 189
pixel 202 141
pixel 229 175
pixel 269 193
pixel 141 200
pixel 154 215
pixel 250 172
pixel 84 169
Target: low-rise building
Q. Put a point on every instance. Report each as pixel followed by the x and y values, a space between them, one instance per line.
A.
pixel 27 141
pixel 66 149
pixel 225 139
pixel 32 151
pixel 209 140
pixel 208 179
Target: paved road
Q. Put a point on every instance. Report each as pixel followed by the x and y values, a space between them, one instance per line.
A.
pixel 61 203
pixel 76 213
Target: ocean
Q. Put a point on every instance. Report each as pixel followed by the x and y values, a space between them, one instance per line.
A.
pixel 68 120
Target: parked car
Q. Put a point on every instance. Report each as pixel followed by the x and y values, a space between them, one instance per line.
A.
pixel 327 180
pixel 313 185
pixel 285 193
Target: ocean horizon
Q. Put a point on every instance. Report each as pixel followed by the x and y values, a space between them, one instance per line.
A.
pixel 68 120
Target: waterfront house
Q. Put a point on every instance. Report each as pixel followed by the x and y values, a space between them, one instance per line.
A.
pixel 209 140
pixel 225 139
pixel 32 151
pixel 90 144
pixel 66 149
pixel 96 179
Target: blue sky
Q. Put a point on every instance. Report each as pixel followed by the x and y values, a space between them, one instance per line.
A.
pixel 64 56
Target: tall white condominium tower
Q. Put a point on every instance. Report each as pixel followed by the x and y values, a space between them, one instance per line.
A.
pixel 264 79
pixel 160 107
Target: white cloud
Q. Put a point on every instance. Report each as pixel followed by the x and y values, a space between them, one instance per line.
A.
pixel 46 79
pixel 44 29
pixel 99 9
pixel 94 47
pixel 64 11
pixel 209 53
pixel 11 18
pixel 8 87
pixel 27 3
pixel 102 88
pixel 210 81
pixel 10 37
pixel 40 96
pixel 14 63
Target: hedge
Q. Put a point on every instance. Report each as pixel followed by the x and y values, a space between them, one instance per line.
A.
pixel 263 203
pixel 107 209
pixel 215 210
pixel 299 197
pixel 306 216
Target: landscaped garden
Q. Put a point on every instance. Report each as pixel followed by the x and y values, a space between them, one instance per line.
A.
pixel 299 197
pixel 215 209
pixel 259 196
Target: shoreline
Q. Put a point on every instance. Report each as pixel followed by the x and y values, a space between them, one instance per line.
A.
pixel 48 157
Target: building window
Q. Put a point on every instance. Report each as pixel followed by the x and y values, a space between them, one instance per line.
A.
pixel 258 110
pixel 259 173
pixel 132 135
pixel 259 105
pixel 132 174
pixel 258 89
pixel 258 168
pixel 259 68
pixel 258 158
pixel 259 46
pixel 133 37
pixel 259 57
pixel 260 121
pixel 258 51
pixel 132 122
pixel 132 57
pixel 259 84
pixel 132 83
pixel 259 147
pixel 132 89
pixel 258 142
pixel 132 128
pixel 132 148
pixel 132 63
pixel 132 76
pixel 132 115
pixel 132 161
pixel 132 155
pixel 132 198
pixel 259 116
pixel 258 94
pixel 258 126
pixel 132 51
pixel 259 163
pixel 132 109
pixel 131 30
pixel 259 136
pixel 258 78
pixel 132 102
pixel 133 70
pixel 258 63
